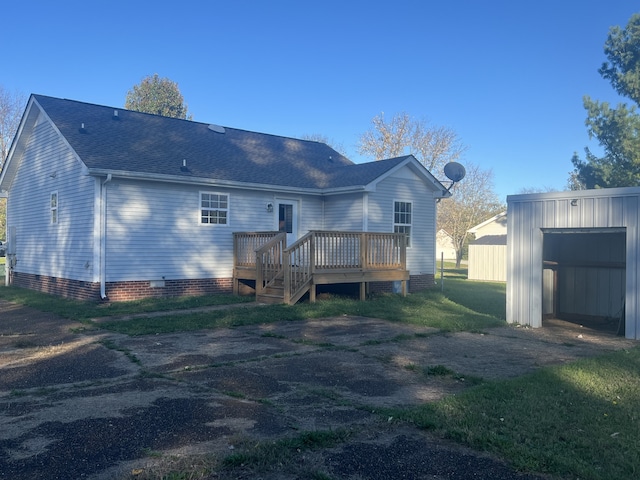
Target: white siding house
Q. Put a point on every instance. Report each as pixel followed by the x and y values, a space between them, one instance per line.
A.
pixel 104 202
pixel 575 255
pixel 444 246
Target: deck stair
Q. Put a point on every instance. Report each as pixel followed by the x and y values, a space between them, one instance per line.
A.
pixel 285 274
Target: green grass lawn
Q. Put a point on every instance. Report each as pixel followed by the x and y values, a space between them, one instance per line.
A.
pixel 430 308
pixel 579 420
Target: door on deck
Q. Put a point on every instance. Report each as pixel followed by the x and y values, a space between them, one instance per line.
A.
pixel 288 219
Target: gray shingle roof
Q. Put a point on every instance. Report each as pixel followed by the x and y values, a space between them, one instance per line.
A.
pixel 490 240
pixel 154 145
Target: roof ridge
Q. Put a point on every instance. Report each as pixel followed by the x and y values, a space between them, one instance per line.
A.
pixel 187 120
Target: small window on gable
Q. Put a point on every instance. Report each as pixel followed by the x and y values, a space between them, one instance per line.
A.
pixel 214 208
pixel 402 217
pixel 54 207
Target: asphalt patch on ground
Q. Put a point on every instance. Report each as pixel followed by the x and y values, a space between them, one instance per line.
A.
pixel 78 403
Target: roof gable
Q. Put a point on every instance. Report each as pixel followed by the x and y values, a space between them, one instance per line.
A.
pixel 499 219
pixel 371 173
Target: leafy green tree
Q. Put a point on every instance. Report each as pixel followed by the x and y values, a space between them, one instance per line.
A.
pixel 616 129
pixel 159 96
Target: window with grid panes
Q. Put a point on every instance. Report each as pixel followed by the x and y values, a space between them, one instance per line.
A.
pixel 402 219
pixel 214 208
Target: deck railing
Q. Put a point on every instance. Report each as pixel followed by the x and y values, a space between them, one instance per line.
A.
pixel 245 245
pixel 326 252
pixel 269 264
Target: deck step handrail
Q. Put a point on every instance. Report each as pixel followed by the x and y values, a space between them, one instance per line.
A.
pixel 268 261
pixel 298 268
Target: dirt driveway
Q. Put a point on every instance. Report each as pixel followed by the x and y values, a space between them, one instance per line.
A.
pixel 98 405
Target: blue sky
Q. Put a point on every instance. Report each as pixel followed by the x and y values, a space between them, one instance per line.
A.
pixel 507 76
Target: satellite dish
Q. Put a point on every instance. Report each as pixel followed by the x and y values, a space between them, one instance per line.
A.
pixel 216 128
pixel 454 171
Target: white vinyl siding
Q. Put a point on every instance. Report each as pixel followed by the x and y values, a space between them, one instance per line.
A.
pixel 344 212
pixel 407 188
pixel 145 245
pixel 310 214
pixel 64 249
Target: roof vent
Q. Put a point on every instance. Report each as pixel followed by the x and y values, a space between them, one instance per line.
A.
pixel 216 128
pixel 82 129
pixel 115 115
pixel 184 167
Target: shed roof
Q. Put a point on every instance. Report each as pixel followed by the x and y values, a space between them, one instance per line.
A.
pixel 490 240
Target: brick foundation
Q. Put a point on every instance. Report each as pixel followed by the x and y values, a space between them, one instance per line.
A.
pixel 122 291
pixel 135 290
pixel 417 283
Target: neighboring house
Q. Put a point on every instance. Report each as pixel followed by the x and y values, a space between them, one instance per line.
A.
pixel 111 203
pixel 575 256
pixel 488 251
pixel 444 246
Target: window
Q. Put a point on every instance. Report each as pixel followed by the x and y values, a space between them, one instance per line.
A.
pixel 214 208
pixel 402 219
pixel 285 218
pixel 54 207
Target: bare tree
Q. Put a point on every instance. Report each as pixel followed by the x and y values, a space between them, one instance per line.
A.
pixel 473 201
pixel 11 108
pixel 318 137
pixel 433 146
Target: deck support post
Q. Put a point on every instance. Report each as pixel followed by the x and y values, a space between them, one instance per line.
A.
pixel 312 293
pixel 363 291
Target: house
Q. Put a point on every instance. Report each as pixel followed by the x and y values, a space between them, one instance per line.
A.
pixel 444 246
pixel 575 256
pixel 488 250
pixel 110 203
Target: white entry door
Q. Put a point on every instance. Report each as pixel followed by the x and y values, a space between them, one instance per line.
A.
pixel 287 218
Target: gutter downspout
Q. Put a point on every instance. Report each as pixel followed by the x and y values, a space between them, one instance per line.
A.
pixel 103 235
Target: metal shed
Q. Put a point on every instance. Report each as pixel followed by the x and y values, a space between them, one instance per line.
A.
pixel 574 255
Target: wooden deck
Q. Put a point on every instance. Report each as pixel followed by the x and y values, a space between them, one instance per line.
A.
pixel 284 274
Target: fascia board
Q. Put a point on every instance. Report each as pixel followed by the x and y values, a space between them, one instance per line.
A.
pixel 32 113
pixel 123 174
pixel 569 195
pixel 14 156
